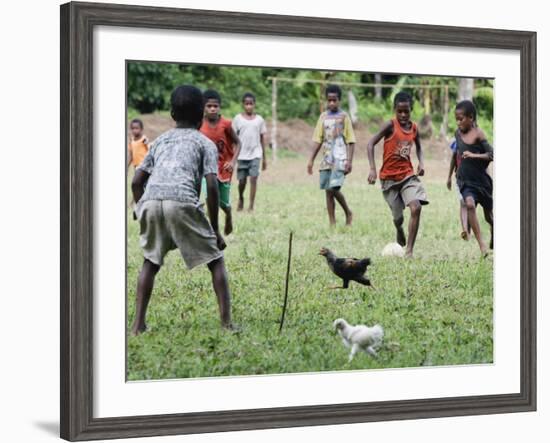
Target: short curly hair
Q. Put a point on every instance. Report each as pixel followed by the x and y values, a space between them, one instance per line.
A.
pixel 187 104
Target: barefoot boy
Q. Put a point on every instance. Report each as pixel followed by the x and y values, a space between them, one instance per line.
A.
pixel 475 184
pixel 219 130
pixel 334 133
pixel 138 146
pixel 250 128
pixel 400 186
pixel 453 168
pixel 168 209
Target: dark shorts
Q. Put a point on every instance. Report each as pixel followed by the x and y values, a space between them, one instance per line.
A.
pixel 248 168
pixel 480 197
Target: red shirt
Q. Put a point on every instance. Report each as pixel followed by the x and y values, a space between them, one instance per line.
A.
pixel 397 153
pixel 220 134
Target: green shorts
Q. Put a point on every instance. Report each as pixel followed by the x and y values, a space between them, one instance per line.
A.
pixel 246 168
pixel 331 179
pixel 224 192
pixel 399 195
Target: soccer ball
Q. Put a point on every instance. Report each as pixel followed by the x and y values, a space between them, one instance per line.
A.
pixel 393 250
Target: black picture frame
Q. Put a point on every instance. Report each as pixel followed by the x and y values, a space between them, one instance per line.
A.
pixel 77 23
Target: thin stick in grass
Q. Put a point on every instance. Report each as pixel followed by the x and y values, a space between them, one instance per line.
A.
pixel 287 279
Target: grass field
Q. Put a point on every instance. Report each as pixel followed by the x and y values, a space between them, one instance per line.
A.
pixel 436 309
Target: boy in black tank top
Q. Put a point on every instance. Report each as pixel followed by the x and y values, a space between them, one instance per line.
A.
pixel 475 184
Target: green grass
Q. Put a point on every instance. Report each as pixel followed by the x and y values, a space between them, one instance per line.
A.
pixel 436 309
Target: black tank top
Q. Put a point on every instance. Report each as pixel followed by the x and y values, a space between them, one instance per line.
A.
pixel 472 172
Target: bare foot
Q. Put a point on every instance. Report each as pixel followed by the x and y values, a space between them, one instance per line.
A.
pixel 230 327
pixel 228 224
pixel 240 205
pixel 484 250
pixel 465 236
pixel 400 238
pixel 349 218
pixel 251 209
pixel 408 253
pixel 137 330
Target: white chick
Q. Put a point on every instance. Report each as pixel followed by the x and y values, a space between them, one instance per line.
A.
pixel 359 337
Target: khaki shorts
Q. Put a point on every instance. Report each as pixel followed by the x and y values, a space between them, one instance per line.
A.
pixel 167 225
pixel 399 195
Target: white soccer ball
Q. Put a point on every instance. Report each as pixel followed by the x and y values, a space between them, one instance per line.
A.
pixel 393 250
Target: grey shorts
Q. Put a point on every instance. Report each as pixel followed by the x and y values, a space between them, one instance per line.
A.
pixel 399 195
pixel 331 179
pixel 246 168
pixel 167 225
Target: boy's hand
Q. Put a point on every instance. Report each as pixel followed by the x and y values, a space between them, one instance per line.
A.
pixel 220 241
pixel 228 166
pixel 264 164
pixel 420 172
pixel 372 177
pixel 310 168
pixel 468 154
pixel 347 167
pixel 449 185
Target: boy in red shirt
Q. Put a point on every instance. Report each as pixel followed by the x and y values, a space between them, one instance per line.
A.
pixel 219 130
pixel 400 185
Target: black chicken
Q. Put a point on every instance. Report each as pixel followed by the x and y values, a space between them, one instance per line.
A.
pixel 348 269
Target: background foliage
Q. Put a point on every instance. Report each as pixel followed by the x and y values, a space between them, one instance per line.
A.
pixel 150 86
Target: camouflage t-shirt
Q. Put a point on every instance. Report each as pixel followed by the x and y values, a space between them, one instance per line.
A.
pixel 177 160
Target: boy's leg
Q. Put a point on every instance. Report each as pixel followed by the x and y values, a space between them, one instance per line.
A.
pixel 465 234
pixel 342 200
pixel 228 229
pixel 396 204
pixel 474 223
pixel 400 233
pixel 331 206
pixel 221 288
pixel 225 205
pixel 145 284
pixel 489 219
pixel 414 223
pixel 253 186
pixel 242 187
pixel 254 173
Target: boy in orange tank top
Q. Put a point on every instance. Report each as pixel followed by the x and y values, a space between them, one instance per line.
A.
pixel 400 185
pixel 138 146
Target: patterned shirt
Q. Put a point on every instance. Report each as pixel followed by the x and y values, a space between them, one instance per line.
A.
pixel 176 162
pixel 334 131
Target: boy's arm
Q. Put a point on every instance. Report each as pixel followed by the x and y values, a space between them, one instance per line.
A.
pixel 452 167
pixel 138 183
pixel 350 149
pixel 264 160
pixel 317 142
pixel 384 131
pixel 130 157
pixel 212 203
pixel 237 143
pixel 314 150
pixel 419 155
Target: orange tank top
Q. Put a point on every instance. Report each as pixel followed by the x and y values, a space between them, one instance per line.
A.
pixel 139 149
pixel 397 163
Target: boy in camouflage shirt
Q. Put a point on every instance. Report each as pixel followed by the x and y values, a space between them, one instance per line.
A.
pixel 168 208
